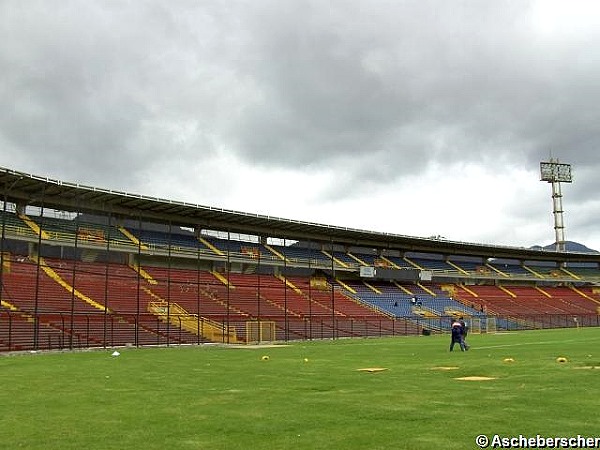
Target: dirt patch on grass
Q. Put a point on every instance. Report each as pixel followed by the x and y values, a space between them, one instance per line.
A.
pixel 372 369
pixel 475 378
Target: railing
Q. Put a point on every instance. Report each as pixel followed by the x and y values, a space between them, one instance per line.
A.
pixel 47 330
pixel 173 313
pixel 68 237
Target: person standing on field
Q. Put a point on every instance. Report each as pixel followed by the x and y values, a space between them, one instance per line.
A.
pixel 456 332
pixel 465 330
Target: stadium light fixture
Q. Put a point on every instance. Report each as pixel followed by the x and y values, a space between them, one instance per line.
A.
pixel 555 172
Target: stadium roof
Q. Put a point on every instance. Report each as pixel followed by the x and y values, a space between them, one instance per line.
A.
pixel 26 189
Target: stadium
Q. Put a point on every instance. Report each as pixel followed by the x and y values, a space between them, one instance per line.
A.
pixel 238 225
pixel 89 267
pixel 121 315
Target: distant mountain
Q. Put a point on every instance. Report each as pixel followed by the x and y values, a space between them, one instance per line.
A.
pixel 570 246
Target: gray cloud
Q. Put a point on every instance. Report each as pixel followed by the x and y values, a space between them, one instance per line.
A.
pixel 417 81
pixel 111 93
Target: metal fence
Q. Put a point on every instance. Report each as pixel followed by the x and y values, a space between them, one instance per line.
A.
pixel 20 331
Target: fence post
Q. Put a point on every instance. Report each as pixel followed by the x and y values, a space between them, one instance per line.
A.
pixel 180 331
pixel 9 331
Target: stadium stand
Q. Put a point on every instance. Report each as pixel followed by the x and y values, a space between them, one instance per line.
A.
pixel 127 270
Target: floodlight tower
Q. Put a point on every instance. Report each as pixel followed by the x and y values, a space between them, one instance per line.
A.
pixel 555 173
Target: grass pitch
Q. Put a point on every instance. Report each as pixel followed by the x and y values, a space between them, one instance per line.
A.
pixel 305 395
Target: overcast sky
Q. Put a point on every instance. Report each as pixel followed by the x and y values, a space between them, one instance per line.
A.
pixel 422 117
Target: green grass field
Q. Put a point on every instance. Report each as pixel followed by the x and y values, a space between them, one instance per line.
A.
pixel 307 395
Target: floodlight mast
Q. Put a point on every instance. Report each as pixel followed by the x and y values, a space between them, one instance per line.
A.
pixel 554 172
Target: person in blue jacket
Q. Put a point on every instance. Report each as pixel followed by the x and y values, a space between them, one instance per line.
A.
pixel 457 336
